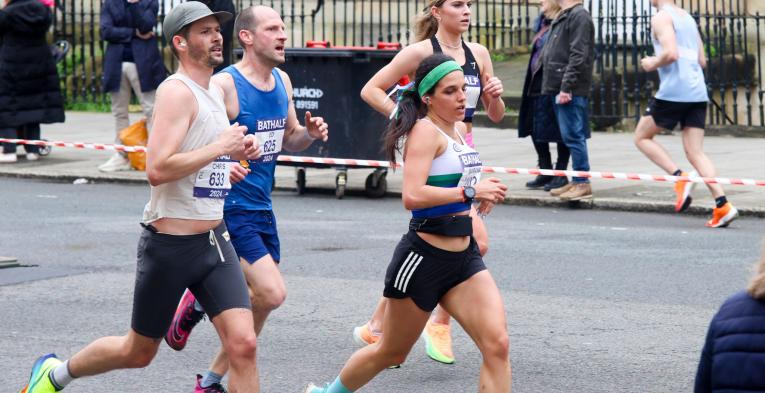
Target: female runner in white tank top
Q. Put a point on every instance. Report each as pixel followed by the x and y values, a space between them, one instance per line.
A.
pixel 438 260
pixel 445 21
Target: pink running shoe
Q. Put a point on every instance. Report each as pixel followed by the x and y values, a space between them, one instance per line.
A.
pixel 214 388
pixel 186 317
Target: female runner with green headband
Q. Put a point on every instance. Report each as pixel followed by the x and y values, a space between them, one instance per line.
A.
pixel 438 29
pixel 438 259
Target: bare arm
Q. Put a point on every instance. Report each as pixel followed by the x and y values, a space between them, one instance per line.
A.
pixel 702 54
pixel 492 87
pixel 225 81
pixel 403 64
pixel 665 33
pixel 297 137
pixel 172 119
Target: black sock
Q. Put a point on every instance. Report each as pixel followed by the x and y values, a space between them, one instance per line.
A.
pixel 721 201
pixel 677 173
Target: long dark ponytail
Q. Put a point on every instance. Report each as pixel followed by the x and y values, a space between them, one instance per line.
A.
pixel 410 107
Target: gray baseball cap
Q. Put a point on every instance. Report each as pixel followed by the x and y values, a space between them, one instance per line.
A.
pixel 187 13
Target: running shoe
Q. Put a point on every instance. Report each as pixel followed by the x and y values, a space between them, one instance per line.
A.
pixel 39 380
pixel 363 335
pixel 683 189
pixel 186 317
pixel 723 216
pixel 438 342
pixel 214 388
pixel 311 388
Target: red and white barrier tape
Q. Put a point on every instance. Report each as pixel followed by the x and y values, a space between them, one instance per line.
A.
pixel 78 145
pixel 386 164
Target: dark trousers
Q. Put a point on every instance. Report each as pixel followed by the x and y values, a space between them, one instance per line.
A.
pixel 545 158
pixel 27 131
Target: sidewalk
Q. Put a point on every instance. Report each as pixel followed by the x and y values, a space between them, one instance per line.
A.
pixel 734 157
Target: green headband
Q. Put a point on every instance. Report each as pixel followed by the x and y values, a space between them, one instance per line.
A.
pixel 436 75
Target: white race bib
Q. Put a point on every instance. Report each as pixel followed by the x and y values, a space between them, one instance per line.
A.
pixel 270 144
pixel 471 169
pixel 213 181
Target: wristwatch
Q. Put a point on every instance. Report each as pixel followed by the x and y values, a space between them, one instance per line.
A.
pixel 468 194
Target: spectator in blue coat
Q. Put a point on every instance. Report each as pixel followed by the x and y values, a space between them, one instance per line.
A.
pixel 733 358
pixel 132 63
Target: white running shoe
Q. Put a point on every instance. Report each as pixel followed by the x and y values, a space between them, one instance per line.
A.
pixel 116 163
pixel 33 156
pixel 8 157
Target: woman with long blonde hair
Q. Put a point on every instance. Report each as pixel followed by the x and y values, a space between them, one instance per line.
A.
pixel 438 29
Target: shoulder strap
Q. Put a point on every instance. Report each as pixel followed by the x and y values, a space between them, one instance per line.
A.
pixel 470 59
pixel 436 45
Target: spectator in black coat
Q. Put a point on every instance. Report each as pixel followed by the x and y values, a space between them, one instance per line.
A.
pixel 733 358
pixel 132 63
pixel 227 29
pixel 537 116
pixel 30 93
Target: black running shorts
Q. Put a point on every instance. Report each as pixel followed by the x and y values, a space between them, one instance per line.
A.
pixel 168 264
pixel 666 114
pixel 425 273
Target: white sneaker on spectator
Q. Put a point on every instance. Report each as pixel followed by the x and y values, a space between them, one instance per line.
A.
pixel 33 156
pixel 8 157
pixel 116 163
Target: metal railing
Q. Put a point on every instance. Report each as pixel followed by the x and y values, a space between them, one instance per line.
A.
pixel 732 39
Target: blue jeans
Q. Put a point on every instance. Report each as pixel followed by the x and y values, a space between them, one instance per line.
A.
pixel 574 125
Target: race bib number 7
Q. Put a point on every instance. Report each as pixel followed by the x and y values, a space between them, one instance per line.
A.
pixel 213 180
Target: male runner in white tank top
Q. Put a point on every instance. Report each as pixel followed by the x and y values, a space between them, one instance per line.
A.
pixel 258 95
pixel 682 98
pixel 184 244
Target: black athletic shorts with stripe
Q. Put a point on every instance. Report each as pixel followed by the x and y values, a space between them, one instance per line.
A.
pixel 426 273
pixel 204 263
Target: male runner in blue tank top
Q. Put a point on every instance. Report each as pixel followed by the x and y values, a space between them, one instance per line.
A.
pixel 257 95
pixel 682 98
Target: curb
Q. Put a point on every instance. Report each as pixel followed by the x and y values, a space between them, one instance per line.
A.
pixel 612 204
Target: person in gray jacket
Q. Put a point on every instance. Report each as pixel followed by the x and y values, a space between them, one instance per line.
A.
pixel 567 59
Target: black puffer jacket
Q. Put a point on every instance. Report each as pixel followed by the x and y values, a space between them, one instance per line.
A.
pixel 29 86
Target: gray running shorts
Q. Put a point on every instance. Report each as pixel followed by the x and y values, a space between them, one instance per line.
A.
pixel 168 264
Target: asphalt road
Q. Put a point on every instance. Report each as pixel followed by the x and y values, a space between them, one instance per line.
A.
pixel 597 301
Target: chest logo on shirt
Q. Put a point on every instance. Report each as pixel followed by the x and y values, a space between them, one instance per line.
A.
pixel 456 147
pixel 472 80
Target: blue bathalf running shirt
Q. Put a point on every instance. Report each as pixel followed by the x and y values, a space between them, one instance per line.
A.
pixel 265 115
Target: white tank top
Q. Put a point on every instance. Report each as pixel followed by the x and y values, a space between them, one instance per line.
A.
pixel 458 166
pixel 200 195
pixel 683 80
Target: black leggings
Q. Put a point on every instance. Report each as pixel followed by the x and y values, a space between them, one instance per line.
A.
pixel 28 131
pixel 545 159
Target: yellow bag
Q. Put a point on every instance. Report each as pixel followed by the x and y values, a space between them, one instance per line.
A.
pixel 136 135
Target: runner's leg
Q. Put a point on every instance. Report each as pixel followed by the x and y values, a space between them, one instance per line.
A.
pixel 486 325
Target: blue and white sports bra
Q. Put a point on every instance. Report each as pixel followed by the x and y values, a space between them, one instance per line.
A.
pixel 458 166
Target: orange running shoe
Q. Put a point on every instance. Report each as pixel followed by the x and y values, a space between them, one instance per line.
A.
pixel 723 216
pixel 363 335
pixel 683 190
pixel 438 342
